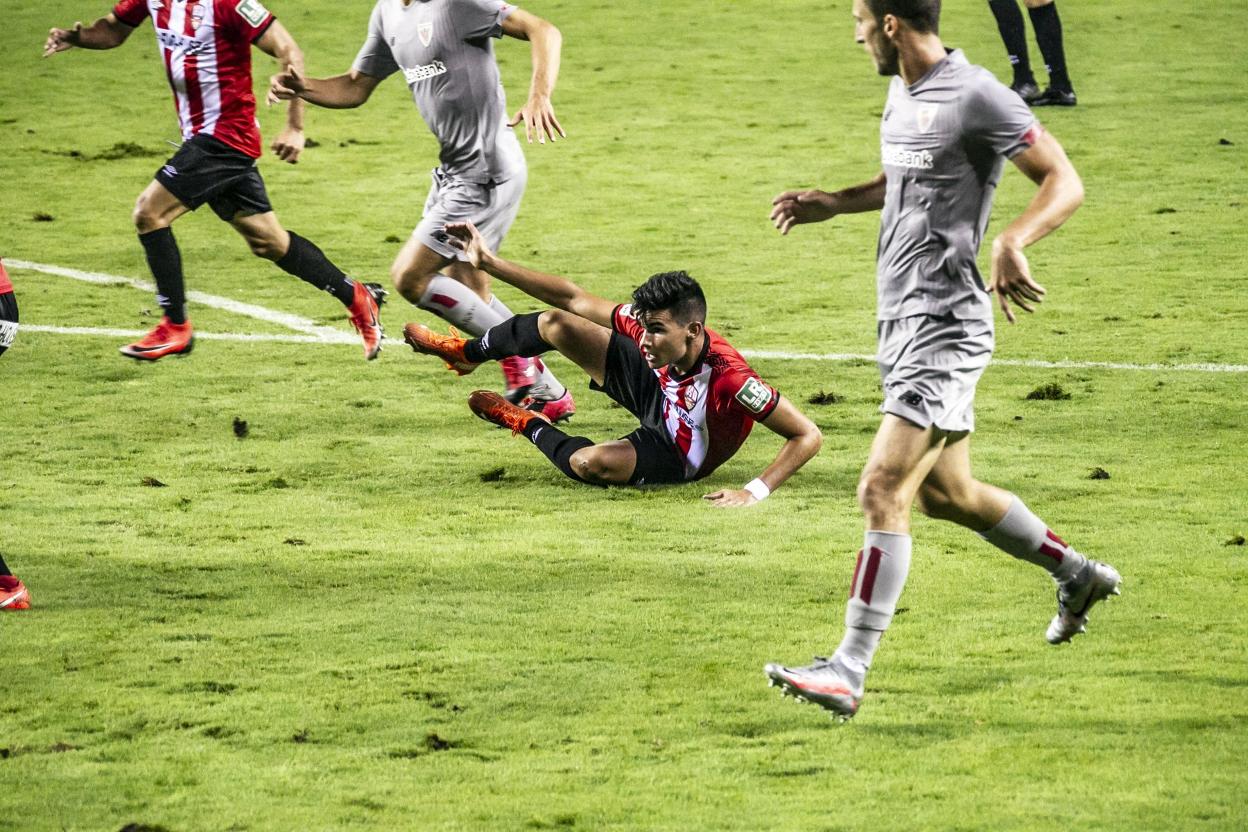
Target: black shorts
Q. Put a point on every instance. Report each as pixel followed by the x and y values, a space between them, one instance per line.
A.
pixel 208 170
pixel 630 381
pixel 8 320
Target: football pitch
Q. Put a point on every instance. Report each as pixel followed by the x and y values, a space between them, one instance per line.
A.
pixel 278 588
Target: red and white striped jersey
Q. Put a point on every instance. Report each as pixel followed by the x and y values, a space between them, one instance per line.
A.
pixel 5 285
pixel 206 49
pixel 709 411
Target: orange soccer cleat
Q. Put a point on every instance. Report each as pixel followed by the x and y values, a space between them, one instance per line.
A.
pixel 450 348
pixel 493 408
pixel 13 594
pixel 364 308
pixel 167 338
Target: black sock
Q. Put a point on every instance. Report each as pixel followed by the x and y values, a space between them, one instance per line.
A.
pixel 1014 35
pixel 4 568
pixel 518 335
pixel 165 261
pixel 556 444
pixel 1048 28
pixel 308 263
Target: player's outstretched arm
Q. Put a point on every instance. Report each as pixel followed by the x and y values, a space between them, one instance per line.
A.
pixel 1060 194
pixel 341 92
pixel 278 43
pixel 538 114
pixel 548 288
pixel 106 33
pixel 799 207
pixel 802 442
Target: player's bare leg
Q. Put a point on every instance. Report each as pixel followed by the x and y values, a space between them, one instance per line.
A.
pixel 951 492
pixel 154 212
pixel 299 256
pixel 901 457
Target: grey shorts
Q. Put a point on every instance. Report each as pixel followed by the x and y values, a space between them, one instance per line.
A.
pixel 929 366
pixel 491 208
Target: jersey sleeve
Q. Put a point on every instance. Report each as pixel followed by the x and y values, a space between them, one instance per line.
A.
pixel 755 398
pixel 477 19
pixel 999 119
pixel 248 19
pixel 375 58
pixel 623 322
pixel 131 12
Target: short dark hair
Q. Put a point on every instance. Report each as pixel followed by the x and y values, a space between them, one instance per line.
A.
pixel 922 15
pixel 676 292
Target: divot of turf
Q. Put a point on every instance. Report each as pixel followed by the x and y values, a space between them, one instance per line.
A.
pixel 1051 392
pixel 826 397
pixel 152 482
pixel 42 216
pixel 1098 474
pixel 241 428
pixel 492 475
pixel 1237 540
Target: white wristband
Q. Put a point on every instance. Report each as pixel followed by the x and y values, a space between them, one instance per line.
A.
pixel 758 488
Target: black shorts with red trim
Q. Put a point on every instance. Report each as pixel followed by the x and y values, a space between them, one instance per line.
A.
pixel 630 382
pixel 8 320
pixel 207 170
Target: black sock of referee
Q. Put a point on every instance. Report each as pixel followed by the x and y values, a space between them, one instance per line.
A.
pixel 4 567
pixel 1048 28
pixel 165 261
pixel 518 335
pixel 308 263
pixel 556 444
pixel 1014 35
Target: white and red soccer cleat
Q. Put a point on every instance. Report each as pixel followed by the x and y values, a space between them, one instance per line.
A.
pixel 554 410
pixel 167 338
pixel 825 683
pixel 13 594
pixel 1075 598
pixel 519 374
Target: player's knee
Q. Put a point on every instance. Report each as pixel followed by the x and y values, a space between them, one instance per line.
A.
pixel 879 495
pixel 552 325
pixel 267 247
pixel 410 284
pixel 145 219
pixel 593 466
pixel 935 502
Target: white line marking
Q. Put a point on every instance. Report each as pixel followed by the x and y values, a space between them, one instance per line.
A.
pixel 316 334
pixel 333 338
pixel 260 313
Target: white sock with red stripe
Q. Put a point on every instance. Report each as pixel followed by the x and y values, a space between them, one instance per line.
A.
pixel 546 386
pixel 454 302
pixel 879 577
pixel 1025 536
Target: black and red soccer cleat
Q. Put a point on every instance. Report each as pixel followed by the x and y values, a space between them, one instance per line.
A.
pixel 13 594
pixel 167 338
pixel 495 409
pixel 450 348
pixel 364 309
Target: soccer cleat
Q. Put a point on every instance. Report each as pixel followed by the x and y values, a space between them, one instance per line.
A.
pixel 450 348
pixel 519 374
pixel 167 338
pixel 1054 98
pixel 1095 582
pixel 825 683
pixel 1027 90
pixel 553 410
pixel 495 409
pixel 13 594
pixel 364 308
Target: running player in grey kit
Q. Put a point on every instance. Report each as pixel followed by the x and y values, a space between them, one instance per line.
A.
pixel 946 131
pixel 445 52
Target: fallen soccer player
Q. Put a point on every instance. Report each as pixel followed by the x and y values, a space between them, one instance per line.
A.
pixel 696 397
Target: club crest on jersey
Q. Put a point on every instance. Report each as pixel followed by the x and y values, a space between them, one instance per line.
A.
pixel 691 394
pixel 425 32
pixel 925 116
pixel 197 15
pixel 252 11
pixel 753 395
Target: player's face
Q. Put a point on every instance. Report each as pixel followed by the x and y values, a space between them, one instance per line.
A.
pixel 666 340
pixel 869 32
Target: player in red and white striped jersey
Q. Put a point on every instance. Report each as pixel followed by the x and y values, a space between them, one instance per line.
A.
pixel 696 397
pixel 13 593
pixel 205 49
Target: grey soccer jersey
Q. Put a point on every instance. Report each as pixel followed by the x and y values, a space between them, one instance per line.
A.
pixel 943 144
pixel 443 49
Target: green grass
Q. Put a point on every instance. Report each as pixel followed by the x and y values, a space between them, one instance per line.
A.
pixel 337 622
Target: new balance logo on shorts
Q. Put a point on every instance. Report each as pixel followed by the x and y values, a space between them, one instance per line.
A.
pixel 911 398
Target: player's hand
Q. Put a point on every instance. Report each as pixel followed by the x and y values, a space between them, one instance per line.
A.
pixel 1011 279
pixel 61 39
pixel 288 145
pixel 465 237
pixel 730 498
pixel 539 117
pixel 285 86
pixel 797 207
